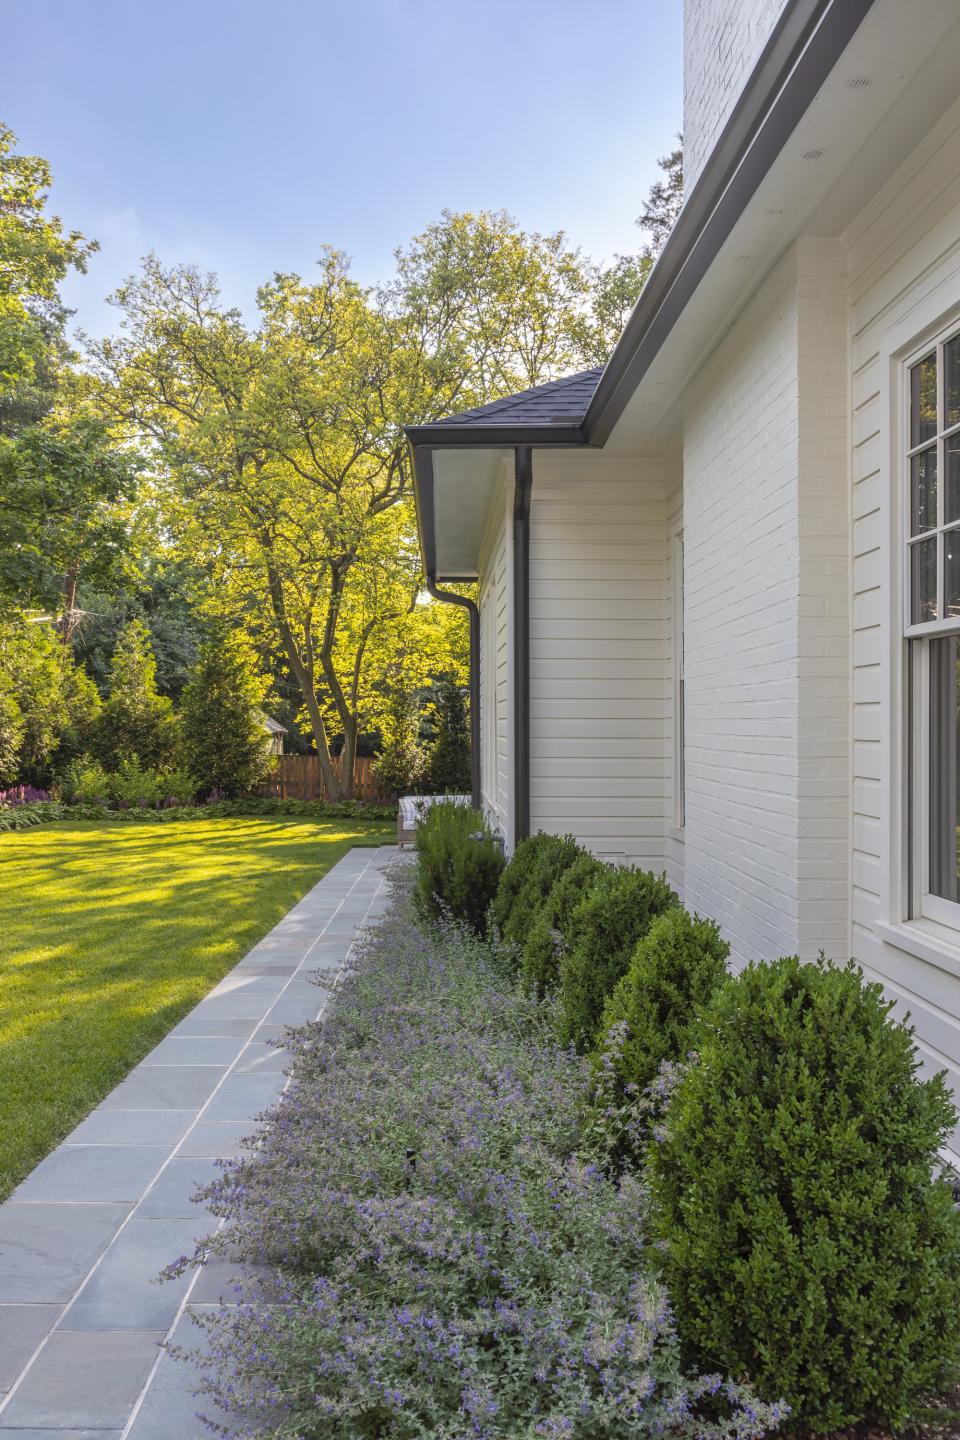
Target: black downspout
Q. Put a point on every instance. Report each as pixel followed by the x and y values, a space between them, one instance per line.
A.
pixel 448 597
pixel 523 484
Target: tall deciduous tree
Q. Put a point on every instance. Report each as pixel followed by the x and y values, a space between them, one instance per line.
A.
pixel 61 480
pixel 35 255
pixel 284 443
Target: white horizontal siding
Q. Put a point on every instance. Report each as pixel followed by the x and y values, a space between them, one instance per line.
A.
pixel 597 675
pixel 495 652
pixel 903 256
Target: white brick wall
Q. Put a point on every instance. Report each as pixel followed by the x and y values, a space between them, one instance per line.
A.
pixel 767 706
pixel 824 650
pixel 742 581
pixel 722 41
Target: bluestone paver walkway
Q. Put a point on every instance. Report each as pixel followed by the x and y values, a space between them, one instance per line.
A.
pixel 82 1240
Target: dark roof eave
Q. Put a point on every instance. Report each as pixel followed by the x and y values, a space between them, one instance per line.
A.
pixel 445 436
pixel 805 44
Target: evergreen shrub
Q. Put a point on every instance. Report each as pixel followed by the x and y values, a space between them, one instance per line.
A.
pixel 550 927
pixel 673 974
pixel 533 870
pixel 448 760
pixel 604 929
pixel 810 1243
pixel 459 865
pixel 221 722
pixel 514 876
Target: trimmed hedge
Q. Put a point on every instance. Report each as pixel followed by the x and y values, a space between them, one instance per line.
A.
pixel 548 932
pixel 674 973
pixel 550 866
pixel 604 929
pixel 460 864
pixel 808 1244
pixel 515 875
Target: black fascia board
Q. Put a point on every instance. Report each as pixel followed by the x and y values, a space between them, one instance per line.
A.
pixel 805 45
pixel 506 436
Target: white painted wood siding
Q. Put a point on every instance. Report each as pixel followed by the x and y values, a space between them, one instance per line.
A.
pixel 903 257
pixel 598 662
pixel 495 660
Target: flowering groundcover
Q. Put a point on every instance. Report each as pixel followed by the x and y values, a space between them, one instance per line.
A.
pixel 443 1260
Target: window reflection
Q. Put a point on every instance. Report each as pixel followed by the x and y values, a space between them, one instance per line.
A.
pixel 944 767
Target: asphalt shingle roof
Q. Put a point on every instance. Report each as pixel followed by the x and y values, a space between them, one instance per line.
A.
pixel 563 400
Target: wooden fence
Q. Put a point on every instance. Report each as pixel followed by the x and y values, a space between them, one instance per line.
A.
pixel 297 777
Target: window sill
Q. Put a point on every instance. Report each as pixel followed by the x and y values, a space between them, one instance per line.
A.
pixel 937 944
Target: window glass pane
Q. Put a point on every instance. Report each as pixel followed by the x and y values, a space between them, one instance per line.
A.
pixel 951 465
pixel 923 491
pixel 923 401
pixel 951 572
pixel 923 581
pixel 944 770
pixel 951 381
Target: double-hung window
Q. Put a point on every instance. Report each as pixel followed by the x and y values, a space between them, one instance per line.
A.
pixel 932 627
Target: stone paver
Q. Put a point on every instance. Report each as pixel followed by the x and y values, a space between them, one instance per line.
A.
pixel 83 1321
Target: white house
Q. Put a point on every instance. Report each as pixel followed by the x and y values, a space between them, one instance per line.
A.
pixel 719 584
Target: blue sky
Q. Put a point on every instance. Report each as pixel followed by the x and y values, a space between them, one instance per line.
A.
pixel 244 134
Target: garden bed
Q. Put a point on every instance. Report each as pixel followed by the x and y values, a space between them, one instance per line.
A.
pixel 447 1261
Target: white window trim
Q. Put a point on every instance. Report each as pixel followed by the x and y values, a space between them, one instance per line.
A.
pixel 909 331
pixel 918 907
pixel 677 644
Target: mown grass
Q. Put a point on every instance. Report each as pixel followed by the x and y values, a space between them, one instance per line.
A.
pixel 110 933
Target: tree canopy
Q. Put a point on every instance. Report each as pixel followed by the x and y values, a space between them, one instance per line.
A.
pixel 204 471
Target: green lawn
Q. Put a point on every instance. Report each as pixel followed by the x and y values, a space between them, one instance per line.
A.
pixel 110 932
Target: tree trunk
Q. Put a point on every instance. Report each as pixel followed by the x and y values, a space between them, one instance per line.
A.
pixel 68 620
pixel 347 714
pixel 331 784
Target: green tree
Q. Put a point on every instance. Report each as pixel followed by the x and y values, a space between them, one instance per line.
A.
pixel 136 722
pixel 224 743
pixel 62 482
pixel 399 762
pixel 11 731
pixel 665 200
pixel 283 444
pixel 63 490
pixel 448 763
pixel 35 255
pixel 48 703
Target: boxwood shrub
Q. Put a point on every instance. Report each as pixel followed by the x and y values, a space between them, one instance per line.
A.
pixel 550 926
pixel 810 1243
pixel 523 864
pixel 673 974
pixel 551 863
pixel 459 865
pixel 604 929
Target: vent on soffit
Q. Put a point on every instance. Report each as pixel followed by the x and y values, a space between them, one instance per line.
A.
pixel 813 154
pixel 859 82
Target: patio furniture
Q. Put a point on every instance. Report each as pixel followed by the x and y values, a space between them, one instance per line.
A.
pixel 413 806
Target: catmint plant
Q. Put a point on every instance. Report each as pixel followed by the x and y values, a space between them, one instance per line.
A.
pixel 440 1258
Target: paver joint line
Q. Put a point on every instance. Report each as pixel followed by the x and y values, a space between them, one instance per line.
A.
pixel 326 920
